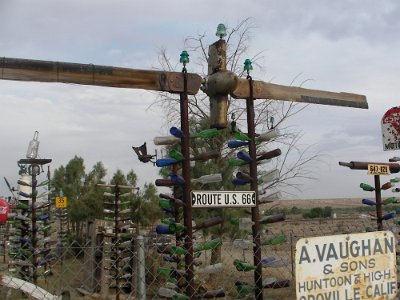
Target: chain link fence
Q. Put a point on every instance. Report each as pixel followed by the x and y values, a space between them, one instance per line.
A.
pixel 153 266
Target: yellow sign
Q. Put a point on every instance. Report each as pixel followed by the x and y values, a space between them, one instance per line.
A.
pixel 61 202
pixel 374 169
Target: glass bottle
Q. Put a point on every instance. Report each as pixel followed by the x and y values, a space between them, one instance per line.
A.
pixel 244 289
pixel 176 250
pixel 236 144
pixel 166 140
pixel 33 146
pixel 211 178
pixel 389 216
pixel 270 198
pixel 176 228
pixel 390 200
pixel 164 203
pixel 272 219
pixel 268 176
pixel 266 136
pixel 386 186
pixel 209 245
pixel 269 154
pixel 163 229
pixel 243 266
pixel 175 154
pixel 368 202
pixel 236 162
pixel 243 155
pixel 243 176
pixel 208 223
pixel 280 239
pixel 213 154
pixel 164 182
pixel 176 132
pixel 163 162
pixel 205 134
pixel 177 179
pixel 241 136
pixel 237 181
pixel 367 187
pixel 179 296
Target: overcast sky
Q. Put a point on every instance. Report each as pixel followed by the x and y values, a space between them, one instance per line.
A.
pixel 343 46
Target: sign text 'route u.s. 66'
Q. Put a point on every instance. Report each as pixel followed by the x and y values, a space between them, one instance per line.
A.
pixel 223 199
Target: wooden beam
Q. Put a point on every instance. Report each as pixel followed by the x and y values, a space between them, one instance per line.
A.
pixel 89 74
pixel 264 90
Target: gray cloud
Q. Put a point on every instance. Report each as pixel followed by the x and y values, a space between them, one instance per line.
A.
pixel 341 45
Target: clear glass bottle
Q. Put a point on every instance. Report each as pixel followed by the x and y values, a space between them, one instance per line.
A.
pixel 33 147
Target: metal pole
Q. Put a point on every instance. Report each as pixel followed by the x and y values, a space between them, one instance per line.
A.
pixel 34 224
pixel 116 241
pixel 254 186
pixel 184 108
pixel 141 269
pixel 378 199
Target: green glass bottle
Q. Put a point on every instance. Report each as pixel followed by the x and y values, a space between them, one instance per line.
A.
pixel 280 239
pixel 45 228
pixel 164 172
pixel 244 289
pixel 22 205
pixel 236 162
pixel 167 221
pixel 45 182
pixel 234 221
pixel 209 245
pixel 164 203
pixel 367 187
pixel 241 136
pixel 164 272
pixel 179 296
pixel 390 200
pixel 176 155
pixel 205 134
pixel 176 250
pixel 177 228
pixel 243 266
pixel 125 236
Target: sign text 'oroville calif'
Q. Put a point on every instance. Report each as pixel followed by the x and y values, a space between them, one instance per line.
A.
pixel 223 198
pixel 347 267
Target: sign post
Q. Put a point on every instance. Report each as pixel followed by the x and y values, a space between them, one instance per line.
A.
pixel 347 267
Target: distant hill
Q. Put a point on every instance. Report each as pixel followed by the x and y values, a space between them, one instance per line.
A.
pixel 311 203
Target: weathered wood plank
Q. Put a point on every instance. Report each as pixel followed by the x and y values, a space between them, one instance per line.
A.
pixel 89 74
pixel 264 90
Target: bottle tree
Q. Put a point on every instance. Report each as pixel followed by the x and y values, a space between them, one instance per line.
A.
pixel 376 169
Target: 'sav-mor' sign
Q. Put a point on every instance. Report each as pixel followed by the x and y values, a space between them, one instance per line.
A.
pixel 347 267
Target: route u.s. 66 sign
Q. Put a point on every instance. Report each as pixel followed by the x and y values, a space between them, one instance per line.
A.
pixel 391 129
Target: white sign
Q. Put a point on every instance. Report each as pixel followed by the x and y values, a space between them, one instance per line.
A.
pixel 347 267
pixel 207 199
pixel 391 129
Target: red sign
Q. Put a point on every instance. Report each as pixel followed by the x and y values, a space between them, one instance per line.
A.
pixel 391 129
pixel 4 210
